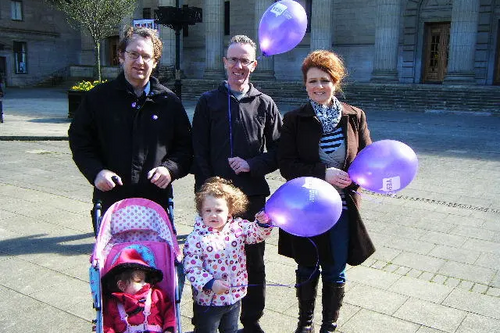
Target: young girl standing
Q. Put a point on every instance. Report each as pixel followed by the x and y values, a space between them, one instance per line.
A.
pixel 214 255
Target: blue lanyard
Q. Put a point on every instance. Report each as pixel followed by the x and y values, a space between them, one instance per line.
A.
pixel 230 119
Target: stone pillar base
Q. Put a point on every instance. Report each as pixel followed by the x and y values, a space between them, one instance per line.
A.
pixel 211 74
pixel 264 75
pixel 463 78
pixel 384 76
pixel 165 73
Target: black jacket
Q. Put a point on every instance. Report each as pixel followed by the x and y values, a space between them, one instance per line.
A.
pixel 115 130
pixel 256 125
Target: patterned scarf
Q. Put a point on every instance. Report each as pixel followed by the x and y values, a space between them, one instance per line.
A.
pixel 329 116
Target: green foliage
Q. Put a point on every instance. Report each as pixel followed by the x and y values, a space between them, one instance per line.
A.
pixel 85 85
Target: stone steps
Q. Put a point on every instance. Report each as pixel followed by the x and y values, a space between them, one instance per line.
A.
pixel 376 96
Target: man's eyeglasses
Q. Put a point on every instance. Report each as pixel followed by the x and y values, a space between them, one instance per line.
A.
pixel 244 62
pixel 134 56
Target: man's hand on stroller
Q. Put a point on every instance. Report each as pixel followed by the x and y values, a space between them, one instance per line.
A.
pixel 106 180
pixel 220 286
pixel 160 176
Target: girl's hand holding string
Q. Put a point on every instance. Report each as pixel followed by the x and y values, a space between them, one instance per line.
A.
pixel 220 287
pixel 263 219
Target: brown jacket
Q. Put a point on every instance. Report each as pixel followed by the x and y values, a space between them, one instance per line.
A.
pixel 298 156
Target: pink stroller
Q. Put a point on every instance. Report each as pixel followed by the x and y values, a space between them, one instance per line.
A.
pixel 135 222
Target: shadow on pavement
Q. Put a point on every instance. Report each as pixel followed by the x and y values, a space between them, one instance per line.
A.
pixel 50 120
pixel 39 244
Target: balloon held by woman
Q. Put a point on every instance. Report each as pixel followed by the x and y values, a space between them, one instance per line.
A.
pixel 385 166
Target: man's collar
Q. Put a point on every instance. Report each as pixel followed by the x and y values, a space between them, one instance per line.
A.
pixel 146 89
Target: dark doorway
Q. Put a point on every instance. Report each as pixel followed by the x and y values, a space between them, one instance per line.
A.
pixel 437 41
pixel 3 70
pixel 113 59
pixel 496 78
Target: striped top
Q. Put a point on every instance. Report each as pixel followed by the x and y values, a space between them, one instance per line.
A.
pixel 332 153
pixel 331 141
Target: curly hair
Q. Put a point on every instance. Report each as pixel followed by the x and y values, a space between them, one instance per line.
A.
pixel 145 33
pixel 328 62
pixel 218 187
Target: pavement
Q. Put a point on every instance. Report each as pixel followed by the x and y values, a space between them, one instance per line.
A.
pixel 437 263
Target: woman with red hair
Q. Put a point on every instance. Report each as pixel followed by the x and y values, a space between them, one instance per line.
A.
pixel 321 139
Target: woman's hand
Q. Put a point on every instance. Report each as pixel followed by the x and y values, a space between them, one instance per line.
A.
pixel 338 178
pixel 220 287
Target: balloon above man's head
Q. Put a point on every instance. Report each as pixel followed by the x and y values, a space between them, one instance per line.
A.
pixel 282 27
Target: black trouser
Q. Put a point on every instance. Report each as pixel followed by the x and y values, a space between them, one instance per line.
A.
pixel 252 305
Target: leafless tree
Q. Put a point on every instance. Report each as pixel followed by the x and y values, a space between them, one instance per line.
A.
pixel 99 18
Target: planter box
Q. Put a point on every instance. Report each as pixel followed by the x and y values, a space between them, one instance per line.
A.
pixel 74 100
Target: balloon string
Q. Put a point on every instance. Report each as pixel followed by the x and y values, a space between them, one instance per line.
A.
pixel 372 199
pixel 230 119
pixel 296 285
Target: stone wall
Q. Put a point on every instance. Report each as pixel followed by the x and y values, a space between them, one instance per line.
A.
pixel 51 43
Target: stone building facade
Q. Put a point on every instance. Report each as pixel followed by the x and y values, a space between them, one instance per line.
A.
pixel 394 41
pixel 405 41
pixel 36 43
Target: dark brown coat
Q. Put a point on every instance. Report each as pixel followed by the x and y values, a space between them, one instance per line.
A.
pixel 298 156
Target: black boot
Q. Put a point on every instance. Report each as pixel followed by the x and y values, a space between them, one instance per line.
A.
pixel 332 296
pixel 306 294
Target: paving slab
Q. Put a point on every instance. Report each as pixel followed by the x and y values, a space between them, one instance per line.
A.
pixel 436 268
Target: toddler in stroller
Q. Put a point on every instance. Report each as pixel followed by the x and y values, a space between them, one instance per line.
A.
pixel 133 302
pixel 132 275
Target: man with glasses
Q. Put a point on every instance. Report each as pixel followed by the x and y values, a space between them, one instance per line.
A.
pixel 131 137
pixel 235 135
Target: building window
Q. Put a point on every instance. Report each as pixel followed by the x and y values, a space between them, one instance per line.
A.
pixel 308 13
pixel 146 13
pixel 16 10
pixel 227 23
pixel 20 57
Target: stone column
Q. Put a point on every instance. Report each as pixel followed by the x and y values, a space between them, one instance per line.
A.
pixel 463 36
pixel 265 67
pixel 321 25
pixel 166 67
pixel 385 62
pixel 213 23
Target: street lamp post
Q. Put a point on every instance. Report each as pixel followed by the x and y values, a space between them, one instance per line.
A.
pixel 178 18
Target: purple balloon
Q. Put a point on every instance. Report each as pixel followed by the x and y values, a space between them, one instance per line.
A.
pixel 385 166
pixel 305 206
pixel 282 27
